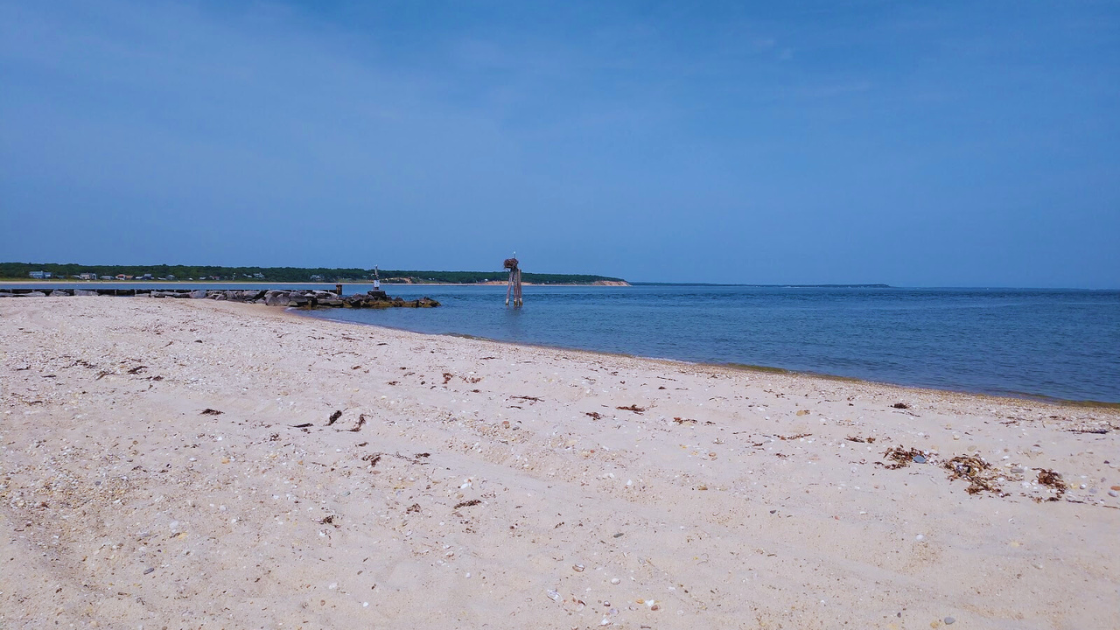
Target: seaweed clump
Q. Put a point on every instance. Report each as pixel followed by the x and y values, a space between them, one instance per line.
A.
pixel 977 472
pixel 1052 479
pixel 903 457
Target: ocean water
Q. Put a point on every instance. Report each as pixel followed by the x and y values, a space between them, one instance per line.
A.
pixel 1047 343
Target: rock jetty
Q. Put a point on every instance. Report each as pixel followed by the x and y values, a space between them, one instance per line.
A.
pixel 298 298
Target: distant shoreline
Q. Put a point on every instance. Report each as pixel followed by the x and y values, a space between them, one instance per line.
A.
pixel 125 283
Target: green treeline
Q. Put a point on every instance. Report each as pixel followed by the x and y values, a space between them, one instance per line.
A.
pixel 70 271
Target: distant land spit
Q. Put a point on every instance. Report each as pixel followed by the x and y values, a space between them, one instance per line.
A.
pixel 181 273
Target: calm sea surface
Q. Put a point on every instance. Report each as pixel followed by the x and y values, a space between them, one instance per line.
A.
pixel 1057 343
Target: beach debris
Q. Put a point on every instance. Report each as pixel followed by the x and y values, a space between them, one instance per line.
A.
pixel 803 412
pixel 136 370
pixel 684 421
pixel 334 417
pixel 329 520
pixel 361 421
pixel 1052 479
pixel 301 426
pixel 950 621
pixel 594 415
pixel 487 358
pixel 856 438
pixel 902 457
pixel 529 398
pixel 413 509
pixel 213 412
pixel 463 504
pixel 900 406
pixel 372 458
pixel 636 409
pixel 149 570
pixel 977 472
pixel 786 438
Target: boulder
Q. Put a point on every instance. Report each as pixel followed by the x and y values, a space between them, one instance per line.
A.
pixel 276 298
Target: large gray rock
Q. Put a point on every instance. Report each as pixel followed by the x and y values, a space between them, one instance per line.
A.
pixel 277 298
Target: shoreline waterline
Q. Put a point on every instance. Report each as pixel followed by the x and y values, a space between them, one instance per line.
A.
pixel 740 367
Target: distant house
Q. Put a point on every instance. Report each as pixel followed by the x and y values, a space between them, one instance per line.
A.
pixel 39 275
pixel 259 276
pixel 106 277
pixel 146 276
pixel 316 278
pixel 170 277
pixel 87 276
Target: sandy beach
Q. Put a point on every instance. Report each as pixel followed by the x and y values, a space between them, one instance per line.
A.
pixel 190 463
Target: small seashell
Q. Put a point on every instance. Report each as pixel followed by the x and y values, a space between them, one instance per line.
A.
pixel 553 595
pixel 615 580
pixel 578 568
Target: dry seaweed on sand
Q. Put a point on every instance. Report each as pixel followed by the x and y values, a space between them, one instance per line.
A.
pixel 361 421
pixel 334 417
pixel 798 436
pixel 466 504
pixel 977 472
pixel 211 412
pixel 856 438
pixel 634 408
pixel 594 415
pixel 900 406
pixel 1047 477
pixel 903 457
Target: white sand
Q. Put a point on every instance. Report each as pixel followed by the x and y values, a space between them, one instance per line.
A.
pixel 122 505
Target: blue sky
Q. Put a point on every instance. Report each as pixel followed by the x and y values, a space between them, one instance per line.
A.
pixel 962 144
